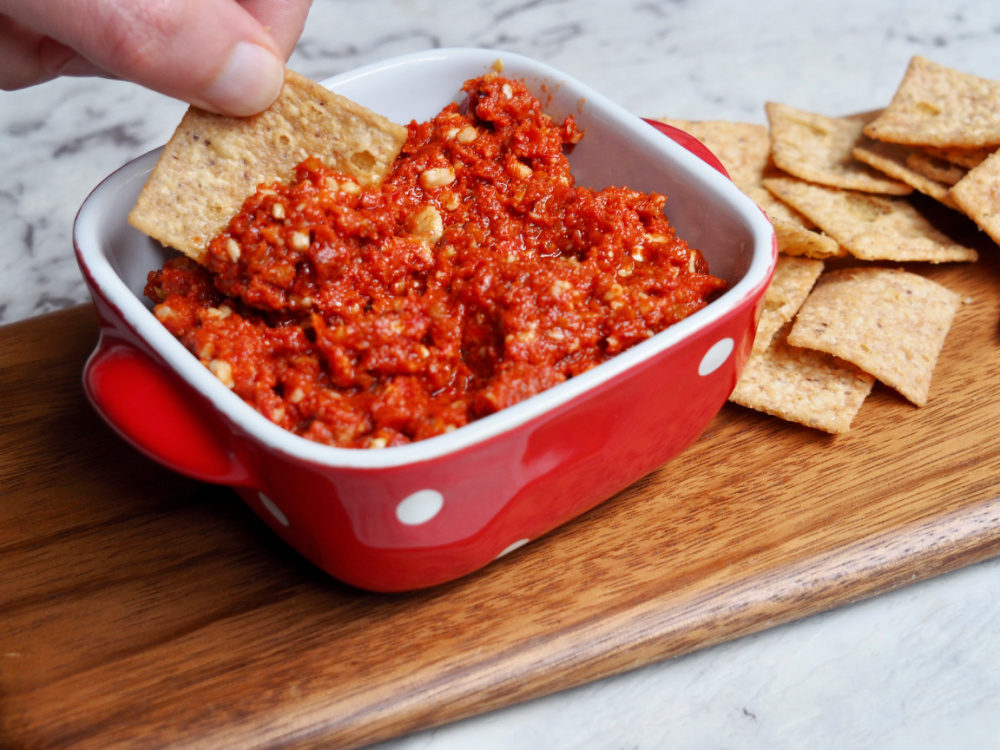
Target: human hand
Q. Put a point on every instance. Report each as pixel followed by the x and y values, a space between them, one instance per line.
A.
pixel 226 56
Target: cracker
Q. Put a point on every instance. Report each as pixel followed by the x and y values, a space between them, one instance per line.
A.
pixel 962 157
pixel 804 386
pixel 978 196
pixel 890 323
pixel 795 233
pixel 743 148
pixel 939 106
pixel 745 151
pixel 935 168
pixel 212 163
pixel 871 227
pixel 797 240
pixel 894 160
pixel 793 278
pixel 818 149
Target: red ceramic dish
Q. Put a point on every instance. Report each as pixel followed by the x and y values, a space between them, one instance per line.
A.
pixel 417 515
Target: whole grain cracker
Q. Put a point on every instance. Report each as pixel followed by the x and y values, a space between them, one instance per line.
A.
pixel 978 196
pixel 802 385
pixel 935 168
pixel 871 227
pixel 790 285
pixel 962 157
pixel 890 323
pixel 939 106
pixel 745 151
pixel 212 163
pixel 795 233
pixel 894 160
pixel 817 148
pixel 795 239
pixel 743 148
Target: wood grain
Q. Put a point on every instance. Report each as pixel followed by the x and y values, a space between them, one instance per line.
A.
pixel 140 609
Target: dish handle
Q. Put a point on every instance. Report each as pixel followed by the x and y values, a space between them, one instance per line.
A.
pixel 160 415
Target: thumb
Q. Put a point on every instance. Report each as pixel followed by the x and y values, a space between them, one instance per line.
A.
pixel 210 53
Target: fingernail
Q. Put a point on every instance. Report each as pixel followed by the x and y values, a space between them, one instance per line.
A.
pixel 249 83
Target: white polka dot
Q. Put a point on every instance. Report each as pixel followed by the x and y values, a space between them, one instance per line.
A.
pixel 420 507
pixel 715 357
pixel 274 509
pixel 516 545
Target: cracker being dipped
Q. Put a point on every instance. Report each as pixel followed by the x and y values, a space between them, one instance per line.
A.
pixel 212 163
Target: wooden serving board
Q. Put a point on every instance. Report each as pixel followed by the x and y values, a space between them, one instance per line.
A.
pixel 140 609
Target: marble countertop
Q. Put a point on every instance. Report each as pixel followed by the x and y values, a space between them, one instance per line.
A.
pixel 918 668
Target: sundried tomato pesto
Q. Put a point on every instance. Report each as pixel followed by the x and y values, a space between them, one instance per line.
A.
pixel 475 276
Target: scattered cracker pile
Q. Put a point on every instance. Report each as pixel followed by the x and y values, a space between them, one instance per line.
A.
pixel 835 189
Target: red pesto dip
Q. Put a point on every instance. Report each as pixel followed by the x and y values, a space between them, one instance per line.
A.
pixel 474 277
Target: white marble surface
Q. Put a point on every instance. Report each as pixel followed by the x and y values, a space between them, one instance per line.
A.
pixel 916 669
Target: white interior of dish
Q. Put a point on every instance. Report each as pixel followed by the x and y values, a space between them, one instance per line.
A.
pixel 618 148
